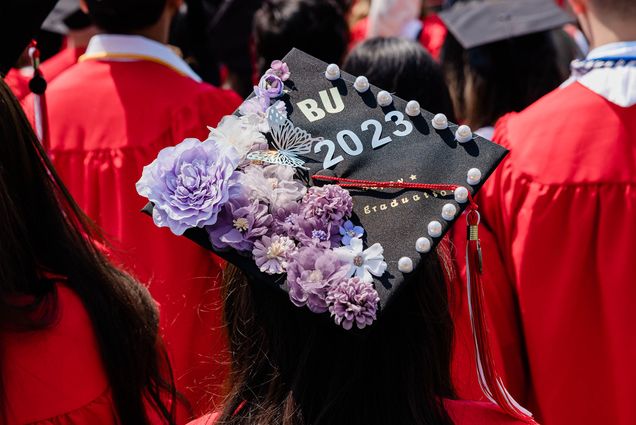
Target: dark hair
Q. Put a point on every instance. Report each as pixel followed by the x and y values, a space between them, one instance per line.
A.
pixel 402 67
pixel 317 27
pixel 488 81
pixel 125 16
pixel 45 234
pixel 293 367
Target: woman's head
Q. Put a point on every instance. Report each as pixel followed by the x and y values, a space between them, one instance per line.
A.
pixel 402 67
pixel 45 239
pixel 317 27
pixel 491 80
pixel 291 366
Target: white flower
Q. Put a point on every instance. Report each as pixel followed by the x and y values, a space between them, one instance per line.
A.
pixel 233 132
pixel 363 263
pixel 255 114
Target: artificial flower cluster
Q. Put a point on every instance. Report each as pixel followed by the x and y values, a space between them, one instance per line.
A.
pixel 262 211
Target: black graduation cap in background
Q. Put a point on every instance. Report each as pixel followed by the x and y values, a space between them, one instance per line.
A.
pixel 408 149
pixel 20 20
pixel 478 22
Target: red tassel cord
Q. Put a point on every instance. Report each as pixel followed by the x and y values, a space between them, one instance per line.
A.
pixel 37 85
pixel 491 383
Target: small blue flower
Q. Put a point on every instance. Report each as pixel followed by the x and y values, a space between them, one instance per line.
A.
pixel 350 231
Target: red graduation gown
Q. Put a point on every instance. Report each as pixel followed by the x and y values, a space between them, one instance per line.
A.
pixel 461 412
pixel 55 375
pixel 107 121
pixel 562 208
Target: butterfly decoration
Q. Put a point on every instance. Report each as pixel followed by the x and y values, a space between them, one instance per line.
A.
pixel 289 142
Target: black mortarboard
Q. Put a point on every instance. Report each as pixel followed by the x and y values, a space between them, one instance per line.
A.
pixel 20 20
pixel 478 22
pixel 408 150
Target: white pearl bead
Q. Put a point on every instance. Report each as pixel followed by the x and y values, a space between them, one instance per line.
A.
pixel 423 245
pixel 333 72
pixel 405 265
pixel 449 211
pixel 461 195
pixel 474 176
pixel 440 122
pixel 413 108
pixel 435 229
pixel 384 98
pixel 464 134
pixel 361 84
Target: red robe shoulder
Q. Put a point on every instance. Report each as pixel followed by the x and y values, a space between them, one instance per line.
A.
pixel 561 209
pixel 55 375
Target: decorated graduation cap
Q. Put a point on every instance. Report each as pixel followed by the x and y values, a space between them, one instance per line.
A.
pixel 478 22
pixel 20 20
pixel 330 189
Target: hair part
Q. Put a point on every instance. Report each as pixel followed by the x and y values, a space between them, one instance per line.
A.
pixel 293 367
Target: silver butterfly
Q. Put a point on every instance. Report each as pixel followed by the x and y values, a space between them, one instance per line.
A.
pixel 289 141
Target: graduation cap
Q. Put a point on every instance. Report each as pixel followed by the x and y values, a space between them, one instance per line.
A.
pixel 20 20
pixel 364 186
pixel 478 22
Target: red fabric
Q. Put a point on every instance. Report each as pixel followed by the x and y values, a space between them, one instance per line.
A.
pixel 18 83
pixel 562 207
pixel 109 120
pixel 55 375
pixel 461 412
pixel 432 36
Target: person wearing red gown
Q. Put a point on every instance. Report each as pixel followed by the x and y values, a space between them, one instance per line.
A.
pixel 561 209
pixel 430 31
pixel 127 98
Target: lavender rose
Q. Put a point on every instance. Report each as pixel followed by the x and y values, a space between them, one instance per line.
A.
pixel 310 274
pixel 188 184
pixel 240 224
pixel 270 86
pixel 353 301
pixel 330 203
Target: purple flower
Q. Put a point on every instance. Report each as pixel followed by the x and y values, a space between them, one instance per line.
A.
pixel 329 203
pixel 349 231
pixel 279 69
pixel 272 254
pixel 313 231
pixel 188 184
pixel 240 224
pixel 273 185
pixel 353 301
pixel 310 274
pixel 270 87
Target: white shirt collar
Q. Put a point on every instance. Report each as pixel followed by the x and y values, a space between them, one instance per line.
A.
pixel 616 84
pixel 117 47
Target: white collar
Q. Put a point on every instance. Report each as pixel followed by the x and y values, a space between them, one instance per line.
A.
pixel 616 84
pixel 117 47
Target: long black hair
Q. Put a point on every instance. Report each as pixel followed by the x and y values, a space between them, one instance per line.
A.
pixel 402 67
pixel 489 81
pixel 292 367
pixel 45 234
